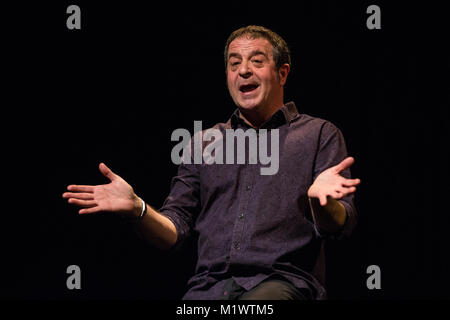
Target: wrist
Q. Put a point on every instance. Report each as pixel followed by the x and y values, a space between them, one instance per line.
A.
pixel 137 208
pixel 140 209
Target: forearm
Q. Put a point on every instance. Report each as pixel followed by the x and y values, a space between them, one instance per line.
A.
pixel 157 229
pixel 329 218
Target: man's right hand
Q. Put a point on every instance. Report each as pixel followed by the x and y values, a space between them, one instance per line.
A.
pixel 117 196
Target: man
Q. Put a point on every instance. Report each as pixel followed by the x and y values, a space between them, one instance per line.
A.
pixel 259 236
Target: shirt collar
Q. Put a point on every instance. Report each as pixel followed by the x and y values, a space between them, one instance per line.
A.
pixel 286 114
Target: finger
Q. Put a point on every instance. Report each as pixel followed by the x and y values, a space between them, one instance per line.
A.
pixel 80 188
pixel 107 172
pixel 323 200
pixel 347 191
pixel 351 182
pixel 90 210
pixel 76 195
pixel 346 163
pixel 82 203
pixel 351 190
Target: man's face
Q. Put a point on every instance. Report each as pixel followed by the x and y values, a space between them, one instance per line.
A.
pixel 252 78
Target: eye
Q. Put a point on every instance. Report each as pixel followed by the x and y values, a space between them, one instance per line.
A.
pixel 257 62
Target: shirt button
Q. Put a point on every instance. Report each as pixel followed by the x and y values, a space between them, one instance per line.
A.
pixel 241 215
pixel 248 187
pixel 236 245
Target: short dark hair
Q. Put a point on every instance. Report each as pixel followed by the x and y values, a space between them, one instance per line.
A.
pixel 281 52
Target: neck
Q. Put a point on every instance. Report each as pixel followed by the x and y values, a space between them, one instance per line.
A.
pixel 254 118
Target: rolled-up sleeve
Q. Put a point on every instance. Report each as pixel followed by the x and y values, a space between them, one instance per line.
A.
pixel 331 151
pixel 183 201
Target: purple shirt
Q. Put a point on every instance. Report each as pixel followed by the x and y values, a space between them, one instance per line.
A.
pixel 251 226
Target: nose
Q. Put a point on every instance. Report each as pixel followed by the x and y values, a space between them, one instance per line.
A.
pixel 245 71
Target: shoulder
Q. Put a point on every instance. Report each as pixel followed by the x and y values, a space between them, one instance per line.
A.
pixel 315 124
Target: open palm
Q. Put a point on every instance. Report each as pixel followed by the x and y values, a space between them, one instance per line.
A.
pixel 117 196
pixel 330 183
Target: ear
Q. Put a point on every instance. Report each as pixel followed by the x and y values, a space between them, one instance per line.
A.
pixel 283 73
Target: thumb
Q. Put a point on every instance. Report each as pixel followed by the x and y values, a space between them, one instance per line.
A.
pixel 344 164
pixel 107 172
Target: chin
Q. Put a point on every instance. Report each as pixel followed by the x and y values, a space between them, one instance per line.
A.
pixel 249 104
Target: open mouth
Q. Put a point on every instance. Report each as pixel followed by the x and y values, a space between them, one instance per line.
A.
pixel 248 88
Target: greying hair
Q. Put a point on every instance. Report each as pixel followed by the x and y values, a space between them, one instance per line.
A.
pixel 281 52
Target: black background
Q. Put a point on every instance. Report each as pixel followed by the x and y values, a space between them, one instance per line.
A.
pixel 116 89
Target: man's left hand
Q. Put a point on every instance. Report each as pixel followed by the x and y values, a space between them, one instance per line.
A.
pixel 331 184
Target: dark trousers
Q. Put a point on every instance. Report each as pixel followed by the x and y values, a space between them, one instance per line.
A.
pixel 270 289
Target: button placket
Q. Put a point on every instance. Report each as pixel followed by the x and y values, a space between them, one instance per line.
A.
pixel 247 187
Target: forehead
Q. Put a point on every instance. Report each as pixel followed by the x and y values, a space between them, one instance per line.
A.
pixel 244 45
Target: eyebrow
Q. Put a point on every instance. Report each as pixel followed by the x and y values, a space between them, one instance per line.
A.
pixel 252 54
